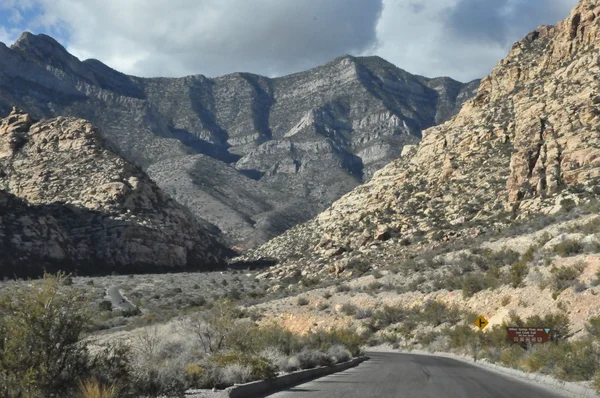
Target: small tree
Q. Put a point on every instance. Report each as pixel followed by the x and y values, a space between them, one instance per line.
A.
pixel 40 329
pixel 213 327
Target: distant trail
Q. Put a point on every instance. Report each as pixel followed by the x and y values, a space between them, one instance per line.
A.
pixel 393 375
pixel 117 299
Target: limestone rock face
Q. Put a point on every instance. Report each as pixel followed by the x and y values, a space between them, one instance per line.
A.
pixel 530 136
pixel 262 154
pixel 69 202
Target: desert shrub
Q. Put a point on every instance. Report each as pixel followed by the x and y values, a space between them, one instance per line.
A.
pixel 277 358
pixel 576 361
pixel 361 266
pixel 310 282
pixel 302 301
pixel 568 247
pixel 386 316
pixel 197 301
pixel 565 277
pixel 339 353
pixel 349 339
pixel 579 287
pixel 363 313
pixel 486 258
pixel 111 366
pixel 105 305
pixel 593 327
pixel 342 288
pixel 518 272
pixel 274 336
pixel 311 358
pixel 236 374
pixel 375 285
pixel 596 381
pixel 194 374
pixel 212 327
pixel 348 309
pixel 260 368
pixel 92 388
pixel 477 282
pixel 41 353
pixel 459 336
pixel 322 340
pixel 512 355
pixel 436 313
pixel 159 378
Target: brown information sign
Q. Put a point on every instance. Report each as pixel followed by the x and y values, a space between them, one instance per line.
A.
pixel 528 335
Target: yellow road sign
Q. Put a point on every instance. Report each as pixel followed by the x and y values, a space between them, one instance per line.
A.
pixel 481 322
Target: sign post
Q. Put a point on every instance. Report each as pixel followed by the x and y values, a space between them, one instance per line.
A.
pixel 481 322
pixel 526 336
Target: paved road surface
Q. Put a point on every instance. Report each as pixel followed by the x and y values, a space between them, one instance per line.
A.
pixel 117 299
pixel 391 375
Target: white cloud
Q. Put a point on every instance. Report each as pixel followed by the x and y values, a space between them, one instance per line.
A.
pixel 213 37
pixel 8 35
pixel 463 39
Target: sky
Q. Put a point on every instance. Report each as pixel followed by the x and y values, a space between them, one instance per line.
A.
pixel 463 39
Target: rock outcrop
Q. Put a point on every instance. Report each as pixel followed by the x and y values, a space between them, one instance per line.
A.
pixel 250 154
pixel 69 202
pixel 529 140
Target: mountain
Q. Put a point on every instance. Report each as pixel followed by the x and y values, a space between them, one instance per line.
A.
pixel 250 154
pixel 528 144
pixel 68 202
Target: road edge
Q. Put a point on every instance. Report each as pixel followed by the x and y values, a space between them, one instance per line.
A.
pixel 574 389
pixel 263 387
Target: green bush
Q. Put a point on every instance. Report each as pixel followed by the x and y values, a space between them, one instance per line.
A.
pixel 261 368
pixel 568 248
pixel 517 274
pixel 349 309
pixel 477 282
pixel 564 277
pixel 593 327
pixel 105 305
pixel 302 301
pixel 41 326
pixel 386 316
pixel 311 358
pixel 436 313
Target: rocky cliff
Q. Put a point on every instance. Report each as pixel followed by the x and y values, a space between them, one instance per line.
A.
pixel 250 154
pixel 528 143
pixel 68 202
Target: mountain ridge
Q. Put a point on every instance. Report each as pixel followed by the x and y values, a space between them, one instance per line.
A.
pixel 69 203
pixel 525 145
pixel 296 143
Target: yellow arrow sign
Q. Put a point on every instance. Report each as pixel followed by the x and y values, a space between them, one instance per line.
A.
pixel 481 322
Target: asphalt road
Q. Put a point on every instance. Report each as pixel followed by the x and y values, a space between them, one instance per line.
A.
pixel 117 299
pixel 392 375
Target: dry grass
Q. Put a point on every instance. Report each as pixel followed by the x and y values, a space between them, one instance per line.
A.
pixel 92 388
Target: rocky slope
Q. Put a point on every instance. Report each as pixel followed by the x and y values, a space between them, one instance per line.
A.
pixel 69 202
pixel 527 143
pixel 250 154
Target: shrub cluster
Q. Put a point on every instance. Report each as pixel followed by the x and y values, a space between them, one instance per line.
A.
pixel 43 352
